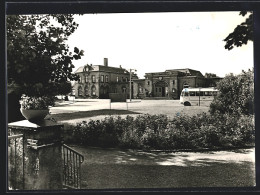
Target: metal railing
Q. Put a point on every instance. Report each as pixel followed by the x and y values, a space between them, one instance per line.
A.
pixel 72 161
pixel 16 162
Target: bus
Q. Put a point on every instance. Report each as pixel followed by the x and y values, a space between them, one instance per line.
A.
pixel 198 96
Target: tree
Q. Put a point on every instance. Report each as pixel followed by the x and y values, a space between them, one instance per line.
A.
pixel 237 92
pixel 64 88
pixel 242 33
pixel 210 75
pixel 236 95
pixel 38 59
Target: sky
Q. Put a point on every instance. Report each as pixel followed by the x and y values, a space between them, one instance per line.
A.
pixel 155 42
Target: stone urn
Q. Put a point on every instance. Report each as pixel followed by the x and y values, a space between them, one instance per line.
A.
pixel 35 108
pixel 34 114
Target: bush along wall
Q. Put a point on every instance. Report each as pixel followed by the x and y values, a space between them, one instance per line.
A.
pixel 159 132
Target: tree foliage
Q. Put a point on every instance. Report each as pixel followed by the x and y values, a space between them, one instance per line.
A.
pixel 210 75
pixel 38 58
pixel 64 88
pixel 242 33
pixel 236 95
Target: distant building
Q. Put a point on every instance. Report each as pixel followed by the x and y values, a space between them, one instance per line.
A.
pixel 170 83
pixel 97 81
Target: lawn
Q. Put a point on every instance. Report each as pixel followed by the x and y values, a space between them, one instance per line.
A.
pixel 74 112
pixel 213 174
pixel 112 168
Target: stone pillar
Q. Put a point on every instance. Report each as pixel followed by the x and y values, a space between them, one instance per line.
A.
pixel 42 152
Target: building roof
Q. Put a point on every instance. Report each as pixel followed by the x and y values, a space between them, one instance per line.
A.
pixel 80 69
pixel 102 68
pixel 187 71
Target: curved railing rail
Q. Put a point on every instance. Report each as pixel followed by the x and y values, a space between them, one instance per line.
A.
pixel 72 161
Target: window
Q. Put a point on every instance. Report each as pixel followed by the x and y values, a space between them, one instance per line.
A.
pixel 192 93
pixel 173 82
pixel 86 79
pixel 140 89
pixel 93 90
pixel 148 82
pixel 208 93
pixel 126 79
pixel 199 93
pixel 102 78
pixel 160 89
pixel 156 89
pixel 106 79
pixel 80 91
pixel 122 79
pixel 86 90
pixel 93 78
pixel 79 79
pixel 117 79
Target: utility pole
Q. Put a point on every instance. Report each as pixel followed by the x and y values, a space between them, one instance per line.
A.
pixel 199 96
pixel 130 87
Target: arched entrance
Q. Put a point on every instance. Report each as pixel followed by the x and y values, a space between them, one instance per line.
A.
pixel 93 91
pixel 101 92
pixel 104 92
pixel 86 91
pixel 161 89
pixel 80 92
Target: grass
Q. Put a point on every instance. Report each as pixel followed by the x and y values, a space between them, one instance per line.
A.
pixel 96 110
pixel 124 169
pixel 90 114
pixel 214 174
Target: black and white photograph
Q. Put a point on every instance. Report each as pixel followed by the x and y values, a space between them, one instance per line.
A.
pixel 118 101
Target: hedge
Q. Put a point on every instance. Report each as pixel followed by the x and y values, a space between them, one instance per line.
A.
pixel 160 132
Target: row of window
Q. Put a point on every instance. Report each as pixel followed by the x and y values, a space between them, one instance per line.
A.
pixel 93 90
pixel 122 79
pixel 173 82
pixel 80 91
pixel 200 93
pixel 102 79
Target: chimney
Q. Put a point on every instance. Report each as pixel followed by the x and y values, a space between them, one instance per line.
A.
pixel 105 62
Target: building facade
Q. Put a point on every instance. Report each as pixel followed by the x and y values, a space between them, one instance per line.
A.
pixel 170 83
pixel 98 81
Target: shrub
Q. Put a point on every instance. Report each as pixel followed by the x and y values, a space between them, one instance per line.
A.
pixel 158 132
pixel 36 103
pixel 236 95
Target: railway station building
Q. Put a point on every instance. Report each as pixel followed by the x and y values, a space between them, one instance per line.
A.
pixel 100 81
pixel 169 84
